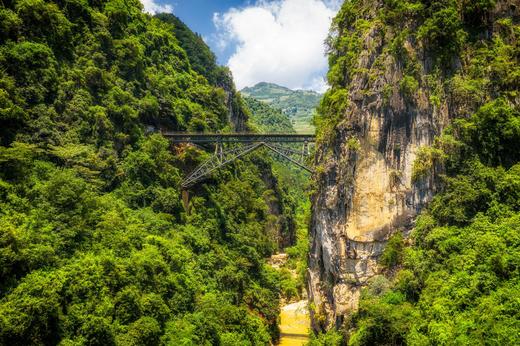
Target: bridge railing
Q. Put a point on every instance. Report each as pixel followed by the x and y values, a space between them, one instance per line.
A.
pixel 183 137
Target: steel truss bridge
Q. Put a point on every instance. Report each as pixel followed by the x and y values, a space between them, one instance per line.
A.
pixel 231 146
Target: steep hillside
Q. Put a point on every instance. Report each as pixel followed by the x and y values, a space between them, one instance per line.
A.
pixel 96 246
pixel 201 58
pixel 203 61
pixel 266 118
pixel 423 100
pixel 299 105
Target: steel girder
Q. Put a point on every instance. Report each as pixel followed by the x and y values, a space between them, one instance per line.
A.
pixel 241 137
pixel 222 157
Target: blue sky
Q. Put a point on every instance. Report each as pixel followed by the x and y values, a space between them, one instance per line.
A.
pixel 278 41
pixel 198 15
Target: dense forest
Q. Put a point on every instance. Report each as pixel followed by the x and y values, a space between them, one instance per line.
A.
pixel 455 279
pixel 96 246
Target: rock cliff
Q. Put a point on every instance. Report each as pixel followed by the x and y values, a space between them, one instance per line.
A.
pixel 393 90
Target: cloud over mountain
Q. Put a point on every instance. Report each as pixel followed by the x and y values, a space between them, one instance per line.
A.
pixel 153 7
pixel 279 41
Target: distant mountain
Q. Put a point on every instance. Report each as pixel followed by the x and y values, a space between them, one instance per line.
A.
pixel 299 105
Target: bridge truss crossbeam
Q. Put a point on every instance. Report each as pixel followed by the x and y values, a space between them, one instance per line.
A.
pixel 289 154
pixel 219 159
pixel 222 157
pixel 240 144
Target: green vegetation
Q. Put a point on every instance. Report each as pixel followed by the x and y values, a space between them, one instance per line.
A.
pixel 295 270
pixel 409 86
pixel 425 162
pixel 299 105
pixel 393 254
pixel 455 281
pixel 96 246
pixel 353 144
pixel 330 338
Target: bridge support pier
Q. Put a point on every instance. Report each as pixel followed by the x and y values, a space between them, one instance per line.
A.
pixel 219 150
pixel 186 200
pixel 305 151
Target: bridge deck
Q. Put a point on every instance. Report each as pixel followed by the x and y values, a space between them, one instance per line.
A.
pixel 183 137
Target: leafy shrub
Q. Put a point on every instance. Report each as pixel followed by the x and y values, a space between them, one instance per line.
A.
pixel 443 32
pixel 353 144
pixel 494 132
pixel 393 253
pixel 329 338
pixel 409 86
pixel 425 161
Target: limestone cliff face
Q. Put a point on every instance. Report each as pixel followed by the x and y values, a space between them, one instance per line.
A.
pixel 398 75
pixel 365 191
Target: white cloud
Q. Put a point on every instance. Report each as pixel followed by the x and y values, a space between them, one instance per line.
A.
pixel 152 7
pixel 279 41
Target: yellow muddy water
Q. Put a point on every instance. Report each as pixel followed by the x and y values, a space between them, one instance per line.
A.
pixel 294 324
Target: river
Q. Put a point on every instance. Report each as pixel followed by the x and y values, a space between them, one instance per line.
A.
pixel 294 324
